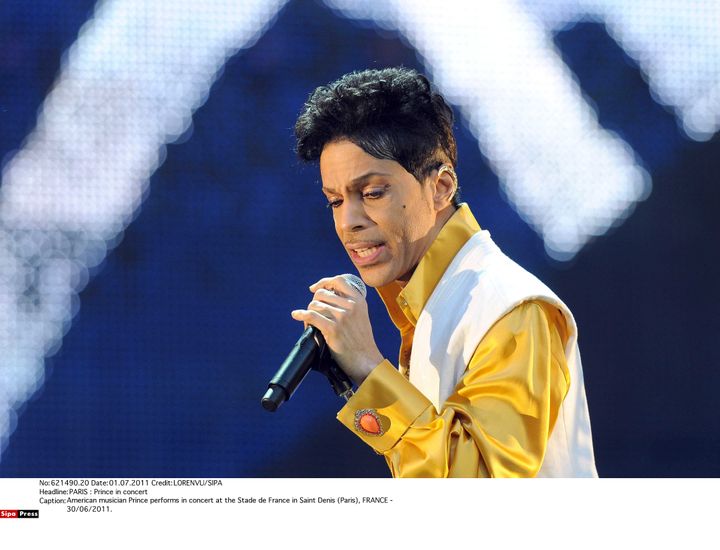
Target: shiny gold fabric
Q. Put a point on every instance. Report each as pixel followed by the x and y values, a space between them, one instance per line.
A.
pixel 498 421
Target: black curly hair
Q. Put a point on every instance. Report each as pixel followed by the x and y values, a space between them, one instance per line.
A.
pixel 391 114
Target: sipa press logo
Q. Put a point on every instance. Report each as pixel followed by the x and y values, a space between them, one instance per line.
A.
pixel 19 514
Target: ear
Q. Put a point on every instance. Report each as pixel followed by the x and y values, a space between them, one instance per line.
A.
pixel 445 187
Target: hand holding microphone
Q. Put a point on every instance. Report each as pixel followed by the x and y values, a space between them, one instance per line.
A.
pixel 340 312
pixel 338 316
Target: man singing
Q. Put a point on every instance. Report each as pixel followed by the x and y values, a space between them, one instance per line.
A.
pixel 489 381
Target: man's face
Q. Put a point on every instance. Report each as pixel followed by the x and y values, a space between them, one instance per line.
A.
pixel 384 217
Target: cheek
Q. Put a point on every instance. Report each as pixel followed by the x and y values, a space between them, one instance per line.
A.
pixel 414 227
pixel 405 235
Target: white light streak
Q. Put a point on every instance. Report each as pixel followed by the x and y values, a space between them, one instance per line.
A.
pixel 128 86
pixel 565 175
pixel 676 44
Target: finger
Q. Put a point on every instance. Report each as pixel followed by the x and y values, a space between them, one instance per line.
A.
pixel 295 314
pixel 325 282
pixel 326 310
pixel 313 318
pixel 338 285
pixel 329 297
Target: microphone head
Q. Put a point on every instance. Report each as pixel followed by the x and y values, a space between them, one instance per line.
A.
pixel 355 282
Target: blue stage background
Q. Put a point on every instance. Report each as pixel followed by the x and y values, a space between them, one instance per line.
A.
pixel 187 318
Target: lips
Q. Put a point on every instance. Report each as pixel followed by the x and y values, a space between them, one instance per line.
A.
pixel 365 253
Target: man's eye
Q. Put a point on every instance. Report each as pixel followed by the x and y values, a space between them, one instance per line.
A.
pixel 373 194
pixel 334 204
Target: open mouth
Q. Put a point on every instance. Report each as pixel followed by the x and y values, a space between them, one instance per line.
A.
pixel 366 255
pixel 366 252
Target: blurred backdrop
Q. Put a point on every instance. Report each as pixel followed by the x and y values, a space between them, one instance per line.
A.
pixel 156 228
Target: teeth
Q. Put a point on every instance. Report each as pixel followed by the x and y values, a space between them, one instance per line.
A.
pixel 365 252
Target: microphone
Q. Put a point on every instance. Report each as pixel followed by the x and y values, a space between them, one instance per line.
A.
pixel 307 353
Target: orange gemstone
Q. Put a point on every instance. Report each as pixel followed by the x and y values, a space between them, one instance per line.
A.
pixel 369 423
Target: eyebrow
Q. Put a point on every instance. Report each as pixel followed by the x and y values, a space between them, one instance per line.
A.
pixel 359 181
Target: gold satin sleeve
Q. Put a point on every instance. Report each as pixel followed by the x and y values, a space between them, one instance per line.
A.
pixel 497 422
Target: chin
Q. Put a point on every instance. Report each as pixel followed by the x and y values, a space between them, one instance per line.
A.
pixel 375 277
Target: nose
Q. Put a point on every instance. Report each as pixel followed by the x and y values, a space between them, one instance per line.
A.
pixel 350 215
